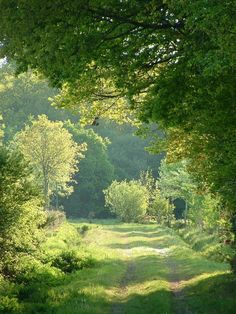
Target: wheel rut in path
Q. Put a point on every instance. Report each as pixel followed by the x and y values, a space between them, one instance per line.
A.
pixel 179 303
pixel 129 276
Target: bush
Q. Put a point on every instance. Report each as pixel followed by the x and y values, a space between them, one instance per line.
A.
pixel 9 305
pixel 8 297
pixel 178 224
pixel 207 244
pixel 70 261
pixel 161 209
pixel 83 229
pixel 54 219
pixel 27 269
pixel 128 200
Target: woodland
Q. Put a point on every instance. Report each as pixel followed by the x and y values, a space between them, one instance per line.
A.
pixel 117 156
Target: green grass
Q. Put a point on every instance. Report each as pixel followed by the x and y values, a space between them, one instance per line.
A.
pixel 134 267
pixel 207 244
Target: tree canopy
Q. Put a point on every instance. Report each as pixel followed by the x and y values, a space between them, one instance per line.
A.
pixel 23 97
pixel 171 61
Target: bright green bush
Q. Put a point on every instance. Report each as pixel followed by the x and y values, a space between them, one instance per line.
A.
pixel 161 209
pixel 28 270
pixel 8 297
pixel 128 200
pixel 9 305
pixel 70 261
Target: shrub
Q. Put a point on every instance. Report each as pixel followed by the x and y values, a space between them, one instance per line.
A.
pixel 70 261
pixel 27 269
pixel 207 244
pixel 178 224
pixel 83 229
pixel 161 209
pixel 8 297
pixel 9 305
pixel 128 200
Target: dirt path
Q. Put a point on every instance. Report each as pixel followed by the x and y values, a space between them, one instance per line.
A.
pixel 129 276
pixel 157 273
pixel 173 278
pixel 179 304
pixel 138 269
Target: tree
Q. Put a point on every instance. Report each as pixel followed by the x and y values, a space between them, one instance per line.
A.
pixel 96 174
pixel 128 200
pixel 201 207
pixel 24 97
pixel 50 149
pixel 171 61
pixel 21 214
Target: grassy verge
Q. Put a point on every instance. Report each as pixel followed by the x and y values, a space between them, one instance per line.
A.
pixel 206 244
pixel 207 286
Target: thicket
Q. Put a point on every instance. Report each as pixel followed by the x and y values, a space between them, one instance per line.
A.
pixel 205 224
pixel 70 261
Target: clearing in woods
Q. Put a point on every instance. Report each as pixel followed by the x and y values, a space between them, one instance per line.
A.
pixel 144 269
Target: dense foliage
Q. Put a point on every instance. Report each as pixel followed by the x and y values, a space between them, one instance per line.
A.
pixel 161 209
pixel 21 215
pixel 23 98
pixel 70 261
pixel 202 209
pixel 127 151
pixel 96 173
pixel 163 65
pixel 53 154
pixel 173 62
pixel 128 200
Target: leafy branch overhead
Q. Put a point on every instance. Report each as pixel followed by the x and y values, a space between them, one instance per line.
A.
pixel 169 62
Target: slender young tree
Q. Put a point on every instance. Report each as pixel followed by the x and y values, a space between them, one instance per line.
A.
pixel 50 149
